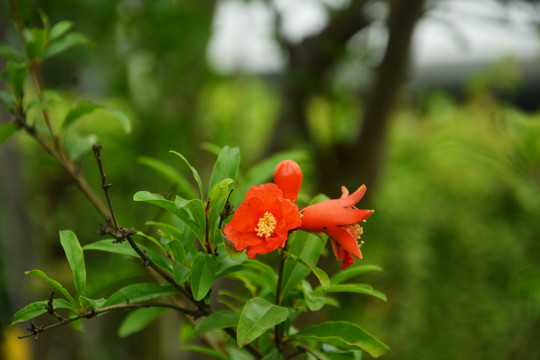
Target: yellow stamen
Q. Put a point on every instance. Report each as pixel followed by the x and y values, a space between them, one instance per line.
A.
pixel 266 226
pixel 355 230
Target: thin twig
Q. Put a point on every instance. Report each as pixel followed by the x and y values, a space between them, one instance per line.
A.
pixel 55 150
pixel 294 354
pixel 104 185
pixel 36 330
pixel 15 12
pixel 308 350
pixel 37 82
pixel 50 308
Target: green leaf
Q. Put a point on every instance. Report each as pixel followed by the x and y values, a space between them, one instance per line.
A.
pixel 35 43
pixel 205 351
pixel 229 246
pixel 151 239
pixel 77 145
pixel 224 261
pixel 110 246
pixel 217 200
pixel 7 100
pixel 217 320
pixel 354 288
pixel 177 250
pixel 94 303
pixel 181 213
pixel 237 353
pixel 121 118
pixel 226 165
pixel 51 95
pixel 35 309
pixel 314 303
pixel 319 273
pixel 167 227
pixel 125 249
pixel 10 53
pixel 170 173
pixel 267 272
pixel 137 293
pixel 139 319
pixel 75 258
pixel 187 333
pixel 60 29
pixel 274 355
pixel 82 108
pixel 211 148
pixel 195 208
pixel 307 247
pixel 258 316
pixel 242 299
pixel 181 273
pixel 193 171
pixel 349 355
pixel 352 272
pixel 61 44
pixel 44 20
pixel 86 107
pixel 344 335
pixel 264 275
pixel 15 75
pixel 7 130
pixel 203 273
pixel 54 283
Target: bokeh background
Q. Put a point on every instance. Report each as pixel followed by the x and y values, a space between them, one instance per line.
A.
pixel 432 104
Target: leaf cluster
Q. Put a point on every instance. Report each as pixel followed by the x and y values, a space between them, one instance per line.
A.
pixel 184 246
pixel 189 245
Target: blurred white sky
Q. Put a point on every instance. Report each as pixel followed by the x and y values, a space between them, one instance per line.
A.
pixel 455 32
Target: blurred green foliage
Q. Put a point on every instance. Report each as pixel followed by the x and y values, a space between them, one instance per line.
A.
pixel 456 229
pixel 456 224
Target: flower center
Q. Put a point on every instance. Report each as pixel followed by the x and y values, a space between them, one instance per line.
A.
pixel 266 226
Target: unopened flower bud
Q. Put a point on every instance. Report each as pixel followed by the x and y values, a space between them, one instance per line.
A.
pixel 288 177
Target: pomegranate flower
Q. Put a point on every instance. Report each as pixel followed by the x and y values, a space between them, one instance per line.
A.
pixel 288 177
pixel 338 218
pixel 263 221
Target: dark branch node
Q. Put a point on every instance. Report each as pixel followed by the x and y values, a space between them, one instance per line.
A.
pixel 228 210
pixel 120 235
pixel 50 309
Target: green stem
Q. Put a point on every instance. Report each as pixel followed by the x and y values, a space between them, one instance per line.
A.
pixel 277 329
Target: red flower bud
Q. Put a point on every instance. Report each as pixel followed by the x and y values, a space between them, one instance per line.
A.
pixel 288 177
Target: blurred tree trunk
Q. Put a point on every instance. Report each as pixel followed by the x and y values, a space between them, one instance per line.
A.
pixel 15 245
pixel 308 70
pixel 308 73
pixel 364 159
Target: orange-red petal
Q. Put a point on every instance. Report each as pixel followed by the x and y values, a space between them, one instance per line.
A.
pixel 242 230
pixel 345 240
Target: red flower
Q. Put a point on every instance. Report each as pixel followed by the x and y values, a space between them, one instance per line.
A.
pixel 288 177
pixel 339 219
pixel 263 221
